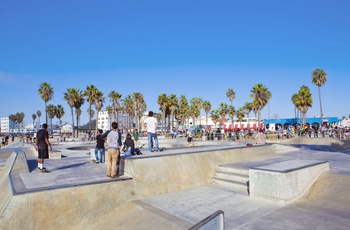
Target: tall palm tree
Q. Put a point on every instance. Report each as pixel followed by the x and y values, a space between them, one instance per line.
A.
pixel 46 92
pixel 173 106
pixel 78 102
pixel 163 103
pixel 59 114
pixel 34 118
pixel 99 102
pixel 70 96
pixel 207 107
pixel 138 100
pixel 231 95
pixel 183 109
pixel 13 118
pixel 38 113
pixel 128 108
pixel 240 116
pixel 197 102
pixel 20 118
pixel 223 109
pixel 248 106
pixel 302 101
pixel 231 111
pixel 261 96
pixel 215 116
pixel 319 77
pixel 114 98
pixel 78 112
pixel 51 111
pixel 89 92
pixel 91 114
pixel 110 111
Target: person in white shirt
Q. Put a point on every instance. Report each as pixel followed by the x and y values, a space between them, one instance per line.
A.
pixel 151 124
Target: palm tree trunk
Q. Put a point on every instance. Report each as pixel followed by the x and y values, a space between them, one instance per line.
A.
pixel 73 121
pixel 319 94
pixel 77 125
pixel 46 111
pixel 89 119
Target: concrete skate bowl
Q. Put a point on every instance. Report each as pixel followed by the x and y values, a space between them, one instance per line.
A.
pixel 319 144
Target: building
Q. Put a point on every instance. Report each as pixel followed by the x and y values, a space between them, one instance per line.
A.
pixel 105 120
pixel 6 125
pixel 316 122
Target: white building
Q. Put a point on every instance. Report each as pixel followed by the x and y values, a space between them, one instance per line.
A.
pixel 6 125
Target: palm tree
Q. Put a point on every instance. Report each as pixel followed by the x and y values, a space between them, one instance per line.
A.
pixel 70 97
pixel 38 113
pixel 13 118
pixel 89 92
pixel 51 111
pixel 173 106
pixel 33 117
pixel 240 116
pixel 20 118
pixel 163 103
pixel 128 108
pixel 109 110
pixel 114 97
pixel 78 102
pixel 91 114
pixel 197 102
pixel 138 100
pixel 223 109
pixel 230 94
pixel 59 114
pixel 231 111
pixel 207 107
pixel 248 106
pixel 46 93
pixel 319 77
pixel 302 101
pixel 99 102
pixel 261 96
pixel 78 113
pixel 215 116
pixel 183 109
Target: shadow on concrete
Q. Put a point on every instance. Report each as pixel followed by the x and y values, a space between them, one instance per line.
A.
pixel 72 166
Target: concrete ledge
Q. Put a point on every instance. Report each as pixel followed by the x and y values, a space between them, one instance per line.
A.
pixel 55 154
pixel 285 181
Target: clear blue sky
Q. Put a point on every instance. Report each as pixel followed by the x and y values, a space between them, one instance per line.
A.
pixel 196 48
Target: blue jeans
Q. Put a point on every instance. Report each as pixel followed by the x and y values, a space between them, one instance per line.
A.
pixel 155 138
pixel 102 152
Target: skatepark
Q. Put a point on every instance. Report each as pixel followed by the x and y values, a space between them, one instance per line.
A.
pixel 306 186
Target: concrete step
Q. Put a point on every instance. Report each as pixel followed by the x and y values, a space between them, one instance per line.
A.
pixel 232 176
pixel 235 170
pixel 230 183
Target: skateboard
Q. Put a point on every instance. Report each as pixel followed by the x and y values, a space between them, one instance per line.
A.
pixel 43 171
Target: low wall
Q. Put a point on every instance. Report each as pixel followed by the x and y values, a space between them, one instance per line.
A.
pixel 285 181
pixel 82 207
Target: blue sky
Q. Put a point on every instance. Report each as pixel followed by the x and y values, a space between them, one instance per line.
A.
pixel 195 48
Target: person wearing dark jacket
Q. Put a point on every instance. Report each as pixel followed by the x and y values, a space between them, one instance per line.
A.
pixel 100 147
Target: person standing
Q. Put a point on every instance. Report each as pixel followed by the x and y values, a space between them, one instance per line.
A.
pixel 136 137
pixel 113 150
pixel 189 138
pixel 100 147
pixel 151 124
pixel 42 146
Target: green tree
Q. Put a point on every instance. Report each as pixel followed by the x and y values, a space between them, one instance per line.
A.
pixel 71 96
pixel 173 106
pixel 138 100
pixel 183 114
pixel 163 103
pixel 207 107
pixel 215 116
pixel 319 78
pixel 99 102
pixel 240 116
pixel 38 113
pixel 302 101
pixel 231 111
pixel 34 118
pixel 231 95
pixel 223 110
pixel 114 98
pixel 261 96
pixel 46 92
pixel 196 111
pixel 248 106
pixel 90 92
pixel 51 111
pixel 59 115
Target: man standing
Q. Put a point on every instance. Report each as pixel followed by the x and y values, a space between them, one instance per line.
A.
pixel 136 138
pixel 151 124
pixel 42 146
pixel 113 150
pixel 100 147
